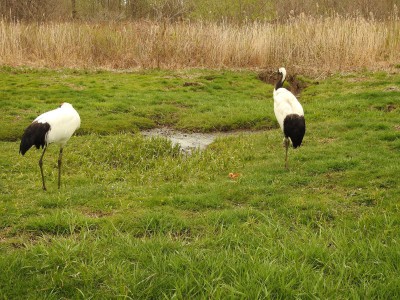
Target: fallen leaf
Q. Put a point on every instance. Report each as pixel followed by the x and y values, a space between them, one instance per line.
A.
pixel 234 175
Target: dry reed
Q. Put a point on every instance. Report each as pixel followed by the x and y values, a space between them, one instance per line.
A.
pixel 302 43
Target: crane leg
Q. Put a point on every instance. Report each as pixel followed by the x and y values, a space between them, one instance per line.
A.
pixel 41 167
pixel 59 167
pixel 286 142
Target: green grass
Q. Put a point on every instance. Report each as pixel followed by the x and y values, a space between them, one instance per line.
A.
pixel 126 102
pixel 136 219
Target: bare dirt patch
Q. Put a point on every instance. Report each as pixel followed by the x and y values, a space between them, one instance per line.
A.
pixel 97 214
pixel 192 83
pixel 392 89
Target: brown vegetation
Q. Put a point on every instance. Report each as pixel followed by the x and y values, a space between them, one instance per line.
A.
pixel 302 43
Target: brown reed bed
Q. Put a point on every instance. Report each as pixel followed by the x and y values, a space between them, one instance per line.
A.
pixel 302 43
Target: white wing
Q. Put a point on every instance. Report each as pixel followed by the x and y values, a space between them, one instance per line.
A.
pixel 285 103
pixel 63 123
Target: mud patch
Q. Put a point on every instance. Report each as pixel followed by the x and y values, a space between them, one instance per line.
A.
pixel 390 107
pixel 189 141
pixel 386 108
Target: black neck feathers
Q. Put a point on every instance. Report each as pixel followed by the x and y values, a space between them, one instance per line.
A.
pixel 280 82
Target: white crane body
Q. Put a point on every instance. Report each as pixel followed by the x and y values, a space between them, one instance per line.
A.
pixel 289 114
pixel 55 126
pixel 63 121
pixel 285 103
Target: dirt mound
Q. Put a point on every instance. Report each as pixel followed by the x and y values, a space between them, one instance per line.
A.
pixel 296 82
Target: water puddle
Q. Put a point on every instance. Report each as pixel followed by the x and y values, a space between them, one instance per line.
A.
pixel 189 141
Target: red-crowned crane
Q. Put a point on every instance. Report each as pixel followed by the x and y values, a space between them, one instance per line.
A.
pixel 289 113
pixel 55 126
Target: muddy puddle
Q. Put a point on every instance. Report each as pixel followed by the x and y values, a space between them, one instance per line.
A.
pixel 189 141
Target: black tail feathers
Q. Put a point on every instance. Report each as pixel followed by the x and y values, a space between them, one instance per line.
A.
pixel 294 128
pixel 35 134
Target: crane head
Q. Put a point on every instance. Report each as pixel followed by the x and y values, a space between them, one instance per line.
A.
pixel 282 71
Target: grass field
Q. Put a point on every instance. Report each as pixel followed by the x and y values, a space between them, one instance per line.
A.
pixel 136 219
